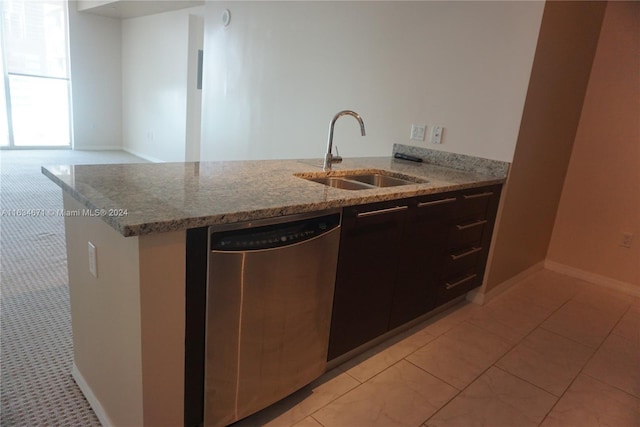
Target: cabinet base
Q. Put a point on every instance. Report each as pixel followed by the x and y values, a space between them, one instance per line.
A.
pixel 374 342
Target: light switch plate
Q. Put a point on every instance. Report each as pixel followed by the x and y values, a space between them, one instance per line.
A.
pixel 436 135
pixel 93 260
pixel 417 132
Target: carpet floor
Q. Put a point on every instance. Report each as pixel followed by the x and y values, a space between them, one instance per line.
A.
pixel 36 350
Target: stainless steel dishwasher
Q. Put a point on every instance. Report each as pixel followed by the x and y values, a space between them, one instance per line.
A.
pixel 269 299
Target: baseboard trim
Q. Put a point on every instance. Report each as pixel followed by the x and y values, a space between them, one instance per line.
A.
pixel 478 296
pixel 142 156
pixel 91 398
pixel 98 148
pixel 593 278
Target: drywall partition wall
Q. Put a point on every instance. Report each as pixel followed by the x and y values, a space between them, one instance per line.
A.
pixel 94 56
pixel 601 196
pixel 561 68
pixel 128 322
pixel 154 84
pixel 277 74
pixel 194 90
pixel 105 318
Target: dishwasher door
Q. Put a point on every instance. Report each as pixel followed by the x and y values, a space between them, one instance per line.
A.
pixel 269 301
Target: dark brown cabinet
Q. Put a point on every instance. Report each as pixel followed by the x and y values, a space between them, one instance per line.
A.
pixel 424 244
pixel 468 243
pixel 401 259
pixel 370 248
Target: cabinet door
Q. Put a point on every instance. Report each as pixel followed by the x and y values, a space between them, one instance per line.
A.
pixel 424 247
pixel 370 248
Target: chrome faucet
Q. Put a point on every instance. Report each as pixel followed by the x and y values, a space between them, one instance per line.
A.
pixel 329 158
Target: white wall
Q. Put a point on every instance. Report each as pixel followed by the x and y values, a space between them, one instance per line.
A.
pixel 94 49
pixel 128 322
pixel 559 78
pixel 154 84
pixel 280 71
pixel 601 194
pixel 105 318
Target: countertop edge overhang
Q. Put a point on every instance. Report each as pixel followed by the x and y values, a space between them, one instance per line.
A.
pixel 139 199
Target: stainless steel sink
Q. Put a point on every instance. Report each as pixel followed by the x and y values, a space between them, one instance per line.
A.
pixel 344 184
pixel 364 180
pixel 380 180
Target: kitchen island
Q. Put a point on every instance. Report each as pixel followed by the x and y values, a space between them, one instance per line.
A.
pixel 129 310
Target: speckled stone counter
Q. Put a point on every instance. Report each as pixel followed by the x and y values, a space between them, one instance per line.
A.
pixel 138 199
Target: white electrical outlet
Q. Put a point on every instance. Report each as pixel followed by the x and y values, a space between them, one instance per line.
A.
pixel 436 135
pixel 627 238
pixel 93 260
pixel 417 132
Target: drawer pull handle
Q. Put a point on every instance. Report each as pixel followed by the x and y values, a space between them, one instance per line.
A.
pixel 382 211
pixel 473 224
pixel 464 254
pixel 476 196
pixel 460 282
pixel 436 202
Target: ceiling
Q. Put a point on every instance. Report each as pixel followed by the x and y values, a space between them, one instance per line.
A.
pixel 123 9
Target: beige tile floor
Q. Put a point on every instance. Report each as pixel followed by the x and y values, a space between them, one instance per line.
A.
pixel 551 351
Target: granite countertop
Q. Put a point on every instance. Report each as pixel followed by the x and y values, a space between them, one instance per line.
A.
pixel 138 199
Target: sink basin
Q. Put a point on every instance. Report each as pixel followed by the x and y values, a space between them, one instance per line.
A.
pixel 344 184
pixel 380 180
pixel 364 180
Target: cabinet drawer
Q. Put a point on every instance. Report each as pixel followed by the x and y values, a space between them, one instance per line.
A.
pixel 439 207
pixel 461 261
pixel 372 225
pixel 375 211
pixel 455 286
pixel 472 205
pixel 466 233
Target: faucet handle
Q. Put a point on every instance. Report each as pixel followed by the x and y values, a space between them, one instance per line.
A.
pixel 337 158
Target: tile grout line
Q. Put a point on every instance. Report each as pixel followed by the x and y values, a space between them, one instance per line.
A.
pixel 494 364
pixel 314 418
pixel 583 366
pixel 395 363
pixel 610 385
pixel 347 391
pixel 476 378
pixel 601 344
pixel 445 403
pixel 500 358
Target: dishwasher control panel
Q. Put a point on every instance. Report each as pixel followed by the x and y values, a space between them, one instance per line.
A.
pixel 274 235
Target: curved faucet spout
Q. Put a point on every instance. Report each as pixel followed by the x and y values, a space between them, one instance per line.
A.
pixel 329 158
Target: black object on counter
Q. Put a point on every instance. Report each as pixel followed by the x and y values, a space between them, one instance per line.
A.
pixel 407 157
